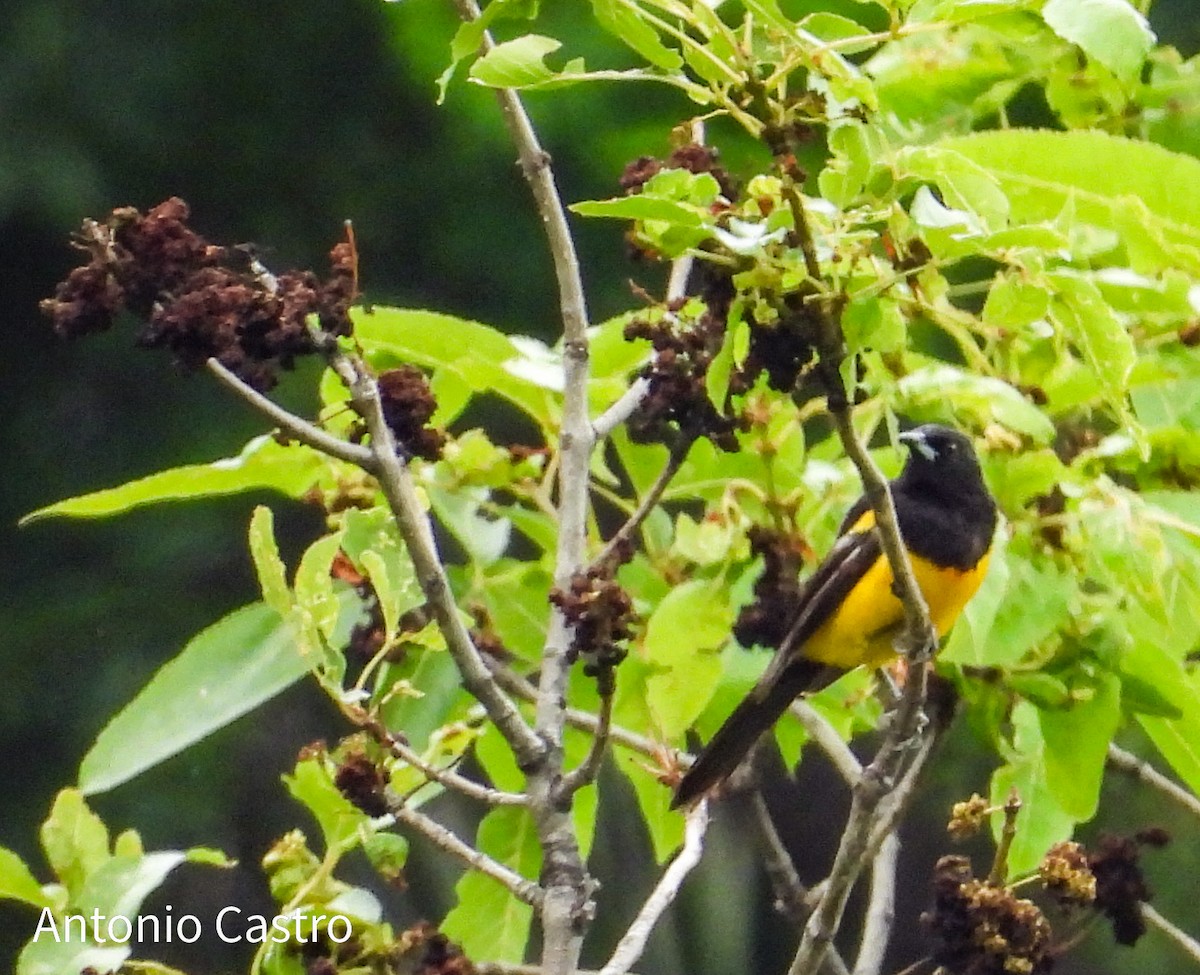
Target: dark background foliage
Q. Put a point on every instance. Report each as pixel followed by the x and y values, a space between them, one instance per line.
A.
pixel 276 121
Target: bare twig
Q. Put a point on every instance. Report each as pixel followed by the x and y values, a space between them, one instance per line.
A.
pixel 629 949
pixel 862 835
pixel 678 453
pixel 519 687
pixel 1147 774
pixel 881 909
pixel 828 740
pixel 525 890
pixel 625 406
pixel 294 426
pixel 567 906
pixel 443 776
pixel 589 768
pixel 792 898
pixel 396 482
pixel 1180 937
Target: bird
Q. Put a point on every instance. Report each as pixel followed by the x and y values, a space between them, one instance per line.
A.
pixel 848 614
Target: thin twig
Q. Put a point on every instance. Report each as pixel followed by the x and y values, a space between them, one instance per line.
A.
pixel 828 740
pixel 629 949
pixel 792 898
pixel 568 905
pixel 1147 774
pixel 443 776
pixel 862 835
pixel 396 482
pixel 1181 938
pixel 881 909
pixel 625 406
pixel 524 890
pixel 294 426
pixel 678 453
pixel 519 687
pixel 587 770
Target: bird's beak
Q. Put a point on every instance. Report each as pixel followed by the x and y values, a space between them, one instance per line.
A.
pixel 915 439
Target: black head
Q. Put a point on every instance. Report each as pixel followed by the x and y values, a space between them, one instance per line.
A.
pixel 941 458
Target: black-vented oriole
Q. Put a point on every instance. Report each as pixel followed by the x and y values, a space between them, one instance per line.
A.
pixel 847 613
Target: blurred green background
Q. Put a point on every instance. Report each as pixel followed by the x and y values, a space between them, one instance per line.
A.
pixel 277 121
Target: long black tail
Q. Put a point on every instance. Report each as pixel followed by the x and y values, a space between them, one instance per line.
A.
pixel 762 707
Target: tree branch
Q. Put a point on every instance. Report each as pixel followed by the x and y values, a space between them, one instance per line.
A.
pixel 443 776
pixel 589 768
pixel 396 482
pixel 1180 937
pixel 862 836
pixel 792 898
pixel 294 426
pixel 678 453
pixel 519 687
pixel 524 890
pixel 1147 774
pixel 829 741
pixel 629 949
pixel 881 909
pixel 567 905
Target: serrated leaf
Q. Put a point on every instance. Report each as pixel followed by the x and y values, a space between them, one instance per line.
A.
pixel 1041 170
pixel 74 839
pixel 225 671
pixel 1107 346
pixel 312 786
pixel 263 464
pixel 272 574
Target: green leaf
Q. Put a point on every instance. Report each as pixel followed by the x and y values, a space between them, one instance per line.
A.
pixel 516 63
pixel 18 883
pixel 122 883
pixel 47 955
pixel 488 921
pixel 74 839
pixel 1111 32
pixel 683 637
pixel 641 207
pixel 263 464
pixel 874 323
pixel 1076 742
pixel 1043 822
pixel 264 550
pixel 484 359
pixel 1107 347
pixel 1042 170
pixel 663 824
pixel 312 786
pixel 224 672
pixel 1177 738
pixel 625 22
pixel 946 392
